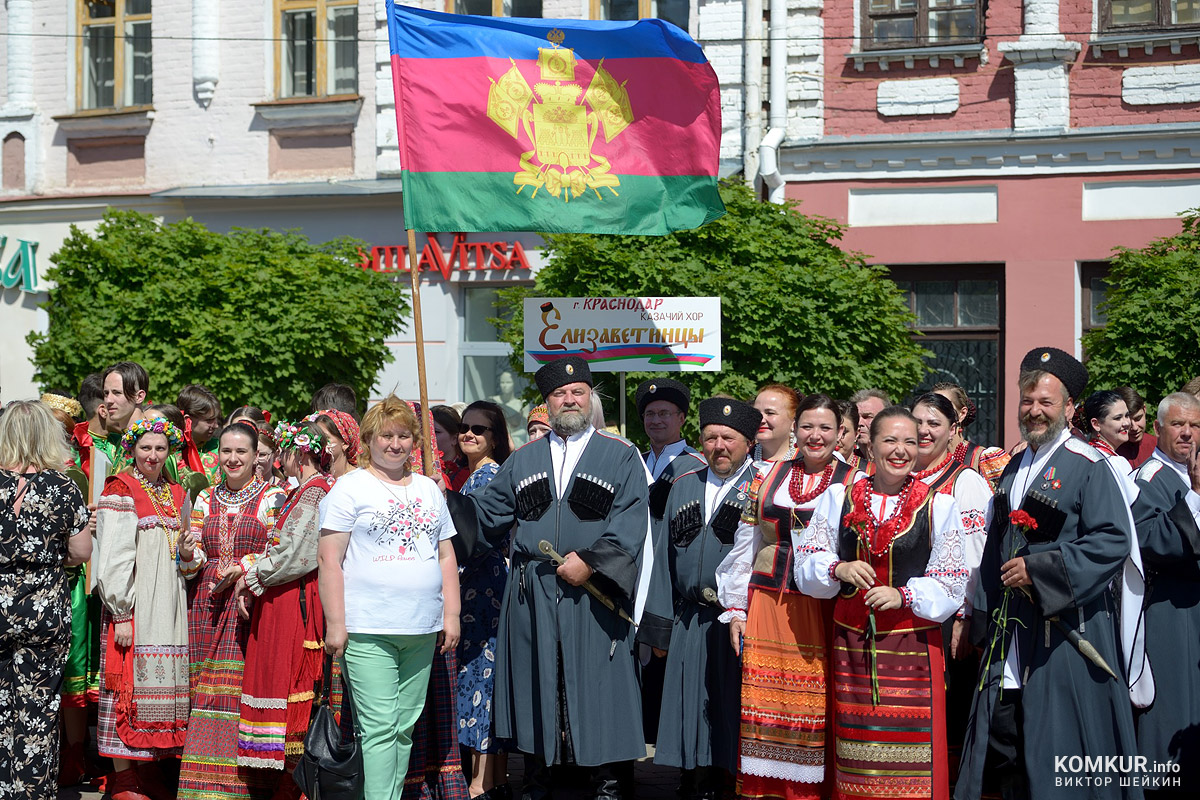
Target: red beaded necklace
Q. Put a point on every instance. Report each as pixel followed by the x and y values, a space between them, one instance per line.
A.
pixel 796 483
pixel 877 535
pixel 934 470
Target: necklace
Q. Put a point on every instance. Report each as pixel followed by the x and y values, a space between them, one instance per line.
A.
pixel 934 470
pixel 1103 446
pixel 163 504
pixel 226 497
pixel 877 535
pixel 226 501
pixel 796 483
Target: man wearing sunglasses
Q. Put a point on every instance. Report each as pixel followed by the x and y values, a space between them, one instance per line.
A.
pixel 566 684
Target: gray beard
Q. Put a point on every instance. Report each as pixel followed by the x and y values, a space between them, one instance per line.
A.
pixel 1036 440
pixel 568 423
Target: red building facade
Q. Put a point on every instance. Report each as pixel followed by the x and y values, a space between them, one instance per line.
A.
pixel 992 155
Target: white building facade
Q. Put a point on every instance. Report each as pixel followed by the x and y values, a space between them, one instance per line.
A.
pixel 254 113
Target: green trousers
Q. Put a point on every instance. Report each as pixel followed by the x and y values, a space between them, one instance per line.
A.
pixel 388 676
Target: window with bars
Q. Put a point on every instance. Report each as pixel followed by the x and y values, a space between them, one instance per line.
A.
pixel 115 54
pixel 676 12
pixel 498 8
pixel 318 41
pixel 921 23
pixel 1133 15
pixel 959 313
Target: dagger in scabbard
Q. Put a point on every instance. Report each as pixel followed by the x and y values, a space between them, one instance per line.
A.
pixel 549 551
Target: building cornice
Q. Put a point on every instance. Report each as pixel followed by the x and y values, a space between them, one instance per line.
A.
pixel 994 153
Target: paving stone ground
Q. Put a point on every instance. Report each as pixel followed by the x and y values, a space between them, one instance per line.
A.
pixel 653 782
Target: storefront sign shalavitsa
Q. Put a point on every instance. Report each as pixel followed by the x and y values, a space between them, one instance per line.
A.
pixel 625 334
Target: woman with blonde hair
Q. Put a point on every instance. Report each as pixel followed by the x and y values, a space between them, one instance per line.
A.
pixel 43 528
pixel 389 589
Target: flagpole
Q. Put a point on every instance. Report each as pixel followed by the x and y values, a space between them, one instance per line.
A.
pixel 422 388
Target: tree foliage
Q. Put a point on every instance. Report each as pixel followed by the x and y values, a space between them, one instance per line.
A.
pixel 795 308
pixel 260 317
pixel 1151 340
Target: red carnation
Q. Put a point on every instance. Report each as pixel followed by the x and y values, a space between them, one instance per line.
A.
pixel 858 520
pixel 1023 520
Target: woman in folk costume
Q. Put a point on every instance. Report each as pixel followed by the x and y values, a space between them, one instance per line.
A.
pixel 784 659
pixel 283 655
pixel 342 439
pixel 987 461
pixel 890 549
pixel 142 538
pixel 233 519
pixel 1105 418
pixel 938 469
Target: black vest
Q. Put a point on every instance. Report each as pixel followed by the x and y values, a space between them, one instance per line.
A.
pixel 909 555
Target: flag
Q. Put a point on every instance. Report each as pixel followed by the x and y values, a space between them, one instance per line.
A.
pixel 553 125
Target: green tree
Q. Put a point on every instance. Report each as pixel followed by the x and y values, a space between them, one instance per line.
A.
pixel 260 317
pixel 795 308
pixel 1151 340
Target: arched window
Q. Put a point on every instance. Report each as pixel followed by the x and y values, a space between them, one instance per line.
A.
pixel 13 157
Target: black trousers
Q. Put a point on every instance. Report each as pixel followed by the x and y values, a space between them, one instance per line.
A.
pixel 1004 768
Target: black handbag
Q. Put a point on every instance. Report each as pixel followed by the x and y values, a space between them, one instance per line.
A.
pixel 330 769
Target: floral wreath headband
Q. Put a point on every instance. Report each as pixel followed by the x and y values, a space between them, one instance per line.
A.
pixel 294 437
pixel 146 425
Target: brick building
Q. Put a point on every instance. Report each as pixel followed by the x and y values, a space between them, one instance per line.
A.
pixel 991 154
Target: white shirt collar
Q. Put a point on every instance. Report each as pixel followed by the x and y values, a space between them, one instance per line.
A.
pixel 565 454
pixel 715 488
pixel 1031 464
pixel 657 463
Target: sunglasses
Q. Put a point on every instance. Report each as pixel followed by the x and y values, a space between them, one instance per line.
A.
pixel 478 430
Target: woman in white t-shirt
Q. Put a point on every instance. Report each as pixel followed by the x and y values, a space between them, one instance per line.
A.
pixel 389 589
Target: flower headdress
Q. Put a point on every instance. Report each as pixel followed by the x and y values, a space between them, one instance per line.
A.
pixel 347 430
pixel 294 437
pixel 147 425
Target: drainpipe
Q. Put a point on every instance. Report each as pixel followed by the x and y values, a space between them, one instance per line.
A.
pixel 777 80
pixel 752 67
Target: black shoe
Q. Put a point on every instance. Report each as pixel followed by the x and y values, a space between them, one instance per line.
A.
pixel 710 783
pixel 687 785
pixel 536 786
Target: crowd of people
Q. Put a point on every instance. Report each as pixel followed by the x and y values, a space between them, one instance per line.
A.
pixel 829 598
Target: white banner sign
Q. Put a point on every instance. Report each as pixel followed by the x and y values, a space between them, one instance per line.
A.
pixel 625 334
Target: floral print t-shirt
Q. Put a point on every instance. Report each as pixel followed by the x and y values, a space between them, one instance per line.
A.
pixel 393 581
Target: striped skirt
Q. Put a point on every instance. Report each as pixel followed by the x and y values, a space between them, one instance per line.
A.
pixel 784 696
pixel 895 748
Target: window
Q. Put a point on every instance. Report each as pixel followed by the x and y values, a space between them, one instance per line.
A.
pixel 1117 15
pixel 920 23
pixel 318 41
pixel 116 68
pixel 673 11
pixel 497 8
pixel 959 312
pixel 487 373
pixel 1093 278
